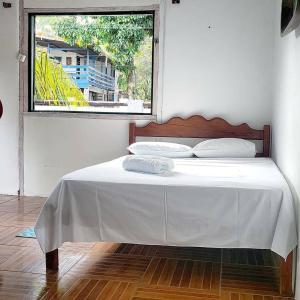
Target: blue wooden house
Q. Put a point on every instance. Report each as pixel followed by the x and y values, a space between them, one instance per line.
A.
pixel 92 71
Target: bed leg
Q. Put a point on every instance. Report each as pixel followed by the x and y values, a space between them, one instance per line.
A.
pixel 286 276
pixel 52 260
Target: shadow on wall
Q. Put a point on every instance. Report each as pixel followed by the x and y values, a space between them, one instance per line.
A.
pixel 297 32
pixel 1 109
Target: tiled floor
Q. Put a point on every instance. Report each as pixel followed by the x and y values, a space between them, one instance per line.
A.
pixel 122 271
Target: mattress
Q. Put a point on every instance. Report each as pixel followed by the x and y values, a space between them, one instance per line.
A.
pixel 220 203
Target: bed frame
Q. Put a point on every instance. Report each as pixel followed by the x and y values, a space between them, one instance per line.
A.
pixel 200 127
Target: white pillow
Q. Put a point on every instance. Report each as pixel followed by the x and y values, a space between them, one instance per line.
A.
pixel 225 147
pixel 171 150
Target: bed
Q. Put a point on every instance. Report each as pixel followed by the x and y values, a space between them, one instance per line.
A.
pixel 245 203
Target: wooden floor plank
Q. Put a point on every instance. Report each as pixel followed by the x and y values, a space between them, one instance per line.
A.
pixel 168 272
pixel 5 198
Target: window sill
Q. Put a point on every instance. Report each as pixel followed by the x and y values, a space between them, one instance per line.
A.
pixel 45 114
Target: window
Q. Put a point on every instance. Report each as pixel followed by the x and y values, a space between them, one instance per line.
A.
pixel 68 61
pixel 92 62
pixel 57 59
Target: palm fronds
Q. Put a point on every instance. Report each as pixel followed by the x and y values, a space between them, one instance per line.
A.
pixel 52 83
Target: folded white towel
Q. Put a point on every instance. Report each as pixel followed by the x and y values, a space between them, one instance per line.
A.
pixel 148 164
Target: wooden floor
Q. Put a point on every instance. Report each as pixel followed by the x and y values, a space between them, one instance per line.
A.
pixel 122 271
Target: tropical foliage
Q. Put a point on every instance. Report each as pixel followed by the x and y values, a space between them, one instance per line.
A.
pixel 53 84
pixel 122 38
pixel 143 71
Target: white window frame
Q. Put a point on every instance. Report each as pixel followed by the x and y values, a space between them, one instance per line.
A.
pixel 24 67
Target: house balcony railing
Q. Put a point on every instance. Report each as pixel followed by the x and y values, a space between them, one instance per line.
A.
pixel 86 76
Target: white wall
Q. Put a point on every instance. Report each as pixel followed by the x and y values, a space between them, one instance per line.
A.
pixel 9 95
pixel 85 3
pixel 55 146
pixel 286 112
pixel 224 70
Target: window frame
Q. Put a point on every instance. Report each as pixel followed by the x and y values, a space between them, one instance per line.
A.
pixel 28 79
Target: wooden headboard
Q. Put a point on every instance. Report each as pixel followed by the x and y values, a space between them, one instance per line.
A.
pixel 199 127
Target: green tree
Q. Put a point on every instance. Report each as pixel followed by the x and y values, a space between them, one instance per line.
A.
pixel 117 36
pixel 143 71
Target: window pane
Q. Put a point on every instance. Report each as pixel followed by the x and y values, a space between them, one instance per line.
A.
pixel 93 63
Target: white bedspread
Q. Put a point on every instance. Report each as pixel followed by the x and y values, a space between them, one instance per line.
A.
pixel 228 203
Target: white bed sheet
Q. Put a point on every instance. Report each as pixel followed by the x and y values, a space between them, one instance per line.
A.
pixel 228 203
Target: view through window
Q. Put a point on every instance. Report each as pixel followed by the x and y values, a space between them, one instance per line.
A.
pixel 99 63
